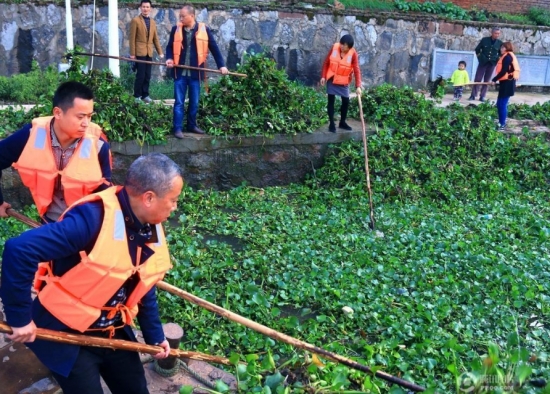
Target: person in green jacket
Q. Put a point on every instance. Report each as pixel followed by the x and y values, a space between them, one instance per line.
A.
pixel 459 79
pixel 488 53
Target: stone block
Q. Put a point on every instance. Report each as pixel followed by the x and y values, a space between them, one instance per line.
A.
pixel 450 28
pixel 427 27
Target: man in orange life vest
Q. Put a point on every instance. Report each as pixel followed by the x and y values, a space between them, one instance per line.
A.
pixel 189 45
pixel 60 158
pixel 103 258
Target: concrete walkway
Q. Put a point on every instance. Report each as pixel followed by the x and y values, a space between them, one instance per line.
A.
pixel 22 373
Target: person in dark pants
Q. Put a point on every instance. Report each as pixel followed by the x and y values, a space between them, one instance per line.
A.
pixel 143 34
pixel 340 65
pixel 102 260
pixel 487 52
pixel 189 44
pixel 507 74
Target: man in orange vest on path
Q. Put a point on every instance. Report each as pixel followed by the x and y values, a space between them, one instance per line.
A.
pixel 60 158
pixel 189 45
pixel 102 261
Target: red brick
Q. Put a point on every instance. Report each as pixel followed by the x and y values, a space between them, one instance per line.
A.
pixel 291 15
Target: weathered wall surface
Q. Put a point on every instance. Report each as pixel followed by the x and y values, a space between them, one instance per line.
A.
pixel 510 6
pixel 210 162
pixel 391 48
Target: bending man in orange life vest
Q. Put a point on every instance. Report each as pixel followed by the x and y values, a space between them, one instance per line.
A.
pixel 60 158
pixel 102 260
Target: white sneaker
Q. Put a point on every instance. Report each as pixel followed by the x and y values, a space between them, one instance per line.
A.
pixel 147 100
pixel 137 99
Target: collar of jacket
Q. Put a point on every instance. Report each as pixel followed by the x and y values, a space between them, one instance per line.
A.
pixel 132 222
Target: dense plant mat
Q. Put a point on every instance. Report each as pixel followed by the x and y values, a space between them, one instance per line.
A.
pixel 264 103
pixel 430 294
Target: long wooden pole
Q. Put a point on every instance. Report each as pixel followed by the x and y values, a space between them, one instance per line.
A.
pixel 273 333
pixel 156 63
pixel 22 218
pixel 285 338
pixel 367 172
pixel 87 340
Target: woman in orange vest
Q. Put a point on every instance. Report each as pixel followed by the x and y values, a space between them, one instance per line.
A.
pixel 507 74
pixel 340 64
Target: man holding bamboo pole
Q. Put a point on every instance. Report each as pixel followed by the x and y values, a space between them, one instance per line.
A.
pixel 189 45
pixel 103 259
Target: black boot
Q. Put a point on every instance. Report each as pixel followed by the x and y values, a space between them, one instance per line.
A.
pixel 330 112
pixel 344 114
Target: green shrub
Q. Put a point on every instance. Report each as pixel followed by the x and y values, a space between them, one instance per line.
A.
pixel 540 16
pixel 266 102
pixel 29 88
pixel 421 150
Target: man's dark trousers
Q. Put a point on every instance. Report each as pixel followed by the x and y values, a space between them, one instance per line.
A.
pixel 143 76
pixel 484 72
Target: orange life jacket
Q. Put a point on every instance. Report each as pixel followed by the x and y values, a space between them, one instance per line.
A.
pixel 78 297
pixel 513 71
pixel 201 38
pixel 340 68
pixel 39 171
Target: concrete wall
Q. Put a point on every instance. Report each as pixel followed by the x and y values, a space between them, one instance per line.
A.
pixel 392 48
pixel 210 162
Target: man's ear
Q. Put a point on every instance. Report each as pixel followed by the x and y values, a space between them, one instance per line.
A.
pixel 57 112
pixel 148 198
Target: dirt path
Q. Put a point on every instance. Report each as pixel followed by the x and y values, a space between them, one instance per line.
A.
pixel 513 125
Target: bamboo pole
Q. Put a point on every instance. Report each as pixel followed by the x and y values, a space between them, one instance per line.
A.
pixel 22 218
pixel 367 172
pixel 273 333
pixel 115 344
pixel 157 63
pixel 285 338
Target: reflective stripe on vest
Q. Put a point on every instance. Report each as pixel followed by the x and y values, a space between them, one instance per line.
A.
pixel 39 171
pixel 340 68
pixel 512 72
pixel 78 297
pixel 201 39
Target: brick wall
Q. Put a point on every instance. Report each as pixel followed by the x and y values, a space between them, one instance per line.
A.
pixel 508 6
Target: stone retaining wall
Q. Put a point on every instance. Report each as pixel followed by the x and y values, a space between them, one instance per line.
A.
pixel 392 48
pixel 210 162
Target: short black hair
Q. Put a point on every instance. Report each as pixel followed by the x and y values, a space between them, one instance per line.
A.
pixel 66 93
pixel 462 62
pixel 347 39
pixel 146 1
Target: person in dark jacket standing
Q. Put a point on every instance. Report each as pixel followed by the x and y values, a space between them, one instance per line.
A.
pixel 507 74
pixel 102 260
pixel 143 34
pixel 487 52
pixel 189 45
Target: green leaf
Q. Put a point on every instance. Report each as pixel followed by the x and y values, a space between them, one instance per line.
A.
pixel 221 386
pixel 274 380
pixel 186 389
